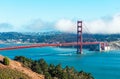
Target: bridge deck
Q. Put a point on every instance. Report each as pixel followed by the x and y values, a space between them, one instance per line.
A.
pixel 45 45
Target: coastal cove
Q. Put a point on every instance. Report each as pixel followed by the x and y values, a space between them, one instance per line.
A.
pixel 102 65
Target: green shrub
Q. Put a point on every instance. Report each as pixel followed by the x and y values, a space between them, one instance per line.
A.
pixel 6 61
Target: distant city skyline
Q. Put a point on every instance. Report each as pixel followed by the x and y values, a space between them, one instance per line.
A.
pixel 100 16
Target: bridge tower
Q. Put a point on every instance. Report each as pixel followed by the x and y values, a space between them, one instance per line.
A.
pixel 79 37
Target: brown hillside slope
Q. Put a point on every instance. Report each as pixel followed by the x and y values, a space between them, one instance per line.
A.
pixel 18 66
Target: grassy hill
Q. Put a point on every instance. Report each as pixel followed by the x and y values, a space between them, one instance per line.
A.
pixel 16 70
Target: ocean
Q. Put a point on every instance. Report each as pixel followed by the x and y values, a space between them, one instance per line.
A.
pixel 102 65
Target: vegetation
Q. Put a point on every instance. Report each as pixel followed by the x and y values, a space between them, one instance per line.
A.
pixel 53 71
pixel 6 73
pixel 6 61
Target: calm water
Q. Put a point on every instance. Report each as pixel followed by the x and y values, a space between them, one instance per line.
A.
pixel 105 65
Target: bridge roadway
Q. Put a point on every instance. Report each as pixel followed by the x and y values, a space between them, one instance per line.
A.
pixel 46 44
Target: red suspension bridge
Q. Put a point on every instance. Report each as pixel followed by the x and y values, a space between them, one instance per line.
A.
pixel 79 42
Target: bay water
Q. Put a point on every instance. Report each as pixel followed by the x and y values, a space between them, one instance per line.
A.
pixel 102 65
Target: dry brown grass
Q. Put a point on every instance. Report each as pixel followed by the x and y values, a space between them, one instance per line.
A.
pixel 19 67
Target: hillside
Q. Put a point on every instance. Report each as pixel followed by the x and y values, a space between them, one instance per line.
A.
pixel 18 67
pixel 52 71
pixel 15 70
pixel 114 45
pixel 52 37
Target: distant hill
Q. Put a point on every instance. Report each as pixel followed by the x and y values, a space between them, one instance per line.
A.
pixel 53 37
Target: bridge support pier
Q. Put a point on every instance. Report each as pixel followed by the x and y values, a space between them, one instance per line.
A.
pixel 79 37
pixel 104 47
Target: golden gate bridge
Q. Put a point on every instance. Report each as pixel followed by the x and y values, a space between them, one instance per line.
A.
pixel 79 43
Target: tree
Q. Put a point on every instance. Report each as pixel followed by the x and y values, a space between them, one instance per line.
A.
pixel 43 65
pixel 47 75
pixel 36 67
pixel 51 70
pixel 58 71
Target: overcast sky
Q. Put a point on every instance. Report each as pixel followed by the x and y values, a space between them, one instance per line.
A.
pixel 100 16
